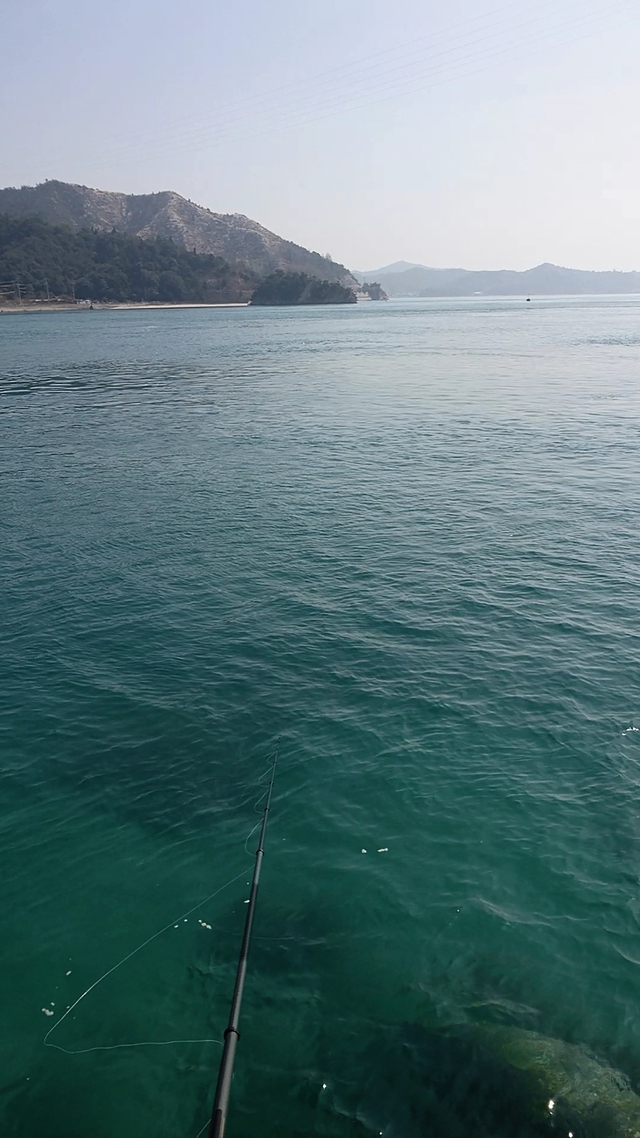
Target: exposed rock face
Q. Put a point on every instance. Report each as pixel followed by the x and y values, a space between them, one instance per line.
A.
pixel 230 235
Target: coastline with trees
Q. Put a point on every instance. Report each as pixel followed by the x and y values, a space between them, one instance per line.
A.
pixel 281 288
pixel 53 267
pixel 44 262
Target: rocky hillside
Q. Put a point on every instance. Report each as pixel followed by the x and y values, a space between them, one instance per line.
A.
pixel 168 215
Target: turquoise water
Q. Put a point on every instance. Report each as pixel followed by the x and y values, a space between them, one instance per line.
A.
pixel 404 538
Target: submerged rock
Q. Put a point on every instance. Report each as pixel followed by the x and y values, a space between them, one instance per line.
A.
pixel 509 1081
pixel 581 1095
pixel 477 1081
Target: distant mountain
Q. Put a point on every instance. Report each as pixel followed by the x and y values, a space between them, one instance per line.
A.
pixel 396 267
pixel 168 215
pixel 544 280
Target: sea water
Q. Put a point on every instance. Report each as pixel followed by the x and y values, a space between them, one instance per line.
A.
pixel 402 539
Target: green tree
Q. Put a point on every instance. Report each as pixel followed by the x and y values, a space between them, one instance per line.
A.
pixel 282 288
pixel 111 266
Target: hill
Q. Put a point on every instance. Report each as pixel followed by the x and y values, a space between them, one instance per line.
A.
pixel 168 215
pixel 282 288
pixel 38 259
pixel 543 280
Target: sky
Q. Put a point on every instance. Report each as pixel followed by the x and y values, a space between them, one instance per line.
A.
pixel 483 134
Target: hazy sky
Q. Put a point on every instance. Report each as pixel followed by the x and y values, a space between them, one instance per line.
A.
pixel 479 133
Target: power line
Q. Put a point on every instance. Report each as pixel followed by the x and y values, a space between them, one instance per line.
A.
pixel 402 77
pixel 292 87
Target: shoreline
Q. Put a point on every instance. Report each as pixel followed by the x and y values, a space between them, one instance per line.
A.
pixel 132 306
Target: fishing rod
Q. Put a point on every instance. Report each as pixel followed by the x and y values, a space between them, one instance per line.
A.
pixel 232 1035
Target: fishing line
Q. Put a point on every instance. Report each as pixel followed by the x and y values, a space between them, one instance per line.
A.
pixel 203 1129
pixel 121 1046
pixel 255 810
pixel 134 952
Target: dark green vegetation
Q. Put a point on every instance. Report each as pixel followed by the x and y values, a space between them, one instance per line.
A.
pixel 299 288
pixel 38 259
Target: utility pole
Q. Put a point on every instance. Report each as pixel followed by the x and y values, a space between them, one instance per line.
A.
pixel 47 288
pixel 18 292
pixel 73 291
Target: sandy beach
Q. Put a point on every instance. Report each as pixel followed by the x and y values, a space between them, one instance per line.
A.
pixel 44 306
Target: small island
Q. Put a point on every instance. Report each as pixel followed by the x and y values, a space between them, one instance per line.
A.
pixel 282 288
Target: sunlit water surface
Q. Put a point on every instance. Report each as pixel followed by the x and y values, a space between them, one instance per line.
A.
pixel 404 538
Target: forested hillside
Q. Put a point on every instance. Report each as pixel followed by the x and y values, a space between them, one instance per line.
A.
pixel 232 236
pixel 38 259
